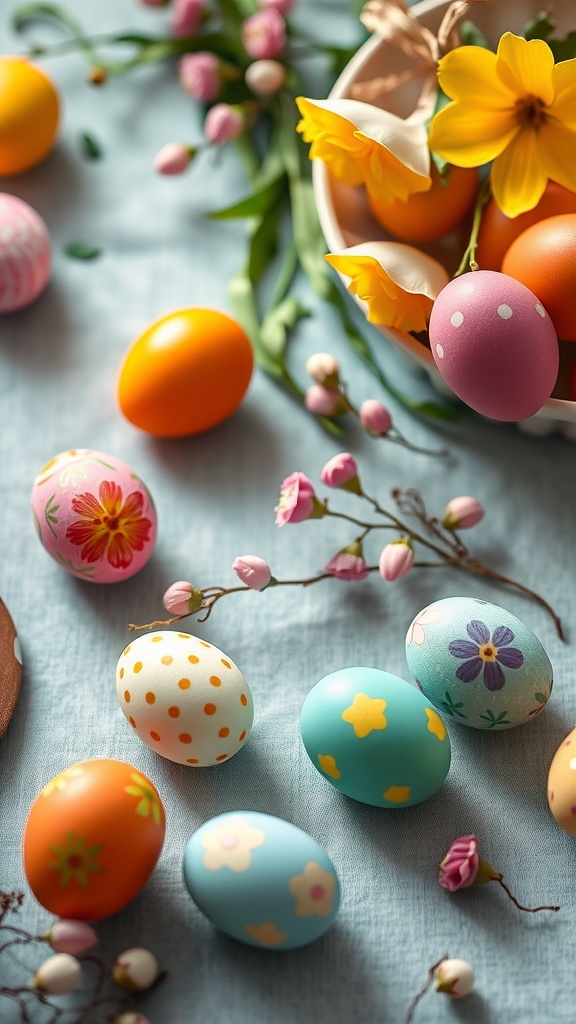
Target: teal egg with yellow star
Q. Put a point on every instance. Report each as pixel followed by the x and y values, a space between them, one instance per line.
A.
pixel 375 737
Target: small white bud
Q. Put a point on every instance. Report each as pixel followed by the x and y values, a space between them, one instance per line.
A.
pixel 135 969
pixel 57 975
pixel 455 978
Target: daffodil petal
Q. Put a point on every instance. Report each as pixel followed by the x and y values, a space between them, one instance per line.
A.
pixel 564 79
pixel 525 67
pixel 331 138
pixel 468 74
pixel 518 178
pixel 408 142
pixel 557 153
pixel 470 138
pixel 386 177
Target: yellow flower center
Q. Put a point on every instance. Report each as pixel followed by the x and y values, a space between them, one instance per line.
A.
pixel 487 652
pixel 530 111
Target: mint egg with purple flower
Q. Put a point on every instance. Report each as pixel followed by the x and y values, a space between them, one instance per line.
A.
pixel 478 664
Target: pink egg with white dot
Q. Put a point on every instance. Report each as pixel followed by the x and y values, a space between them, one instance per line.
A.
pixel 494 344
pixel 25 254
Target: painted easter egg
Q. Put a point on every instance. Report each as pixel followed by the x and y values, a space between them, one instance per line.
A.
pixel 10 668
pixel 186 373
pixel 478 663
pixel 25 254
pixel 375 737
pixel 94 515
pixel 29 113
pixel 561 785
pixel 92 839
pixel 261 880
pixel 184 698
pixel 494 344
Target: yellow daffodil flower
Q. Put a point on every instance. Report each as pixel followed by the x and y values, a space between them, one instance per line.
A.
pixel 364 145
pixel 515 107
pixel 397 282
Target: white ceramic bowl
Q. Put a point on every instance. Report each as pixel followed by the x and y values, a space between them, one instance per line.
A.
pixel 344 212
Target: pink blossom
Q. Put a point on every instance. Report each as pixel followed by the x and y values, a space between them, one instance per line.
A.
pixel 182 598
pixel 173 158
pixel 396 560
pixel 323 368
pixel 324 401
pixel 459 867
pixel 265 77
pixel 348 564
pixel 223 123
pixel 253 571
pixel 375 417
pixel 199 75
pixel 340 471
pixel 67 936
pixel 297 500
pixel 186 17
pixel 264 34
pixel 284 6
pixel 462 513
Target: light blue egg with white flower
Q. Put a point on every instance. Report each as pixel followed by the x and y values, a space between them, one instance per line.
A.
pixel 261 880
pixel 478 663
pixel 375 737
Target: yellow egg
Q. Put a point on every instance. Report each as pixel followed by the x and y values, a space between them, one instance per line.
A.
pixel 562 784
pixel 29 112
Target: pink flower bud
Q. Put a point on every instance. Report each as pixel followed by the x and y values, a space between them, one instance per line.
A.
pixel 57 975
pixel 297 501
pixel 199 75
pixel 264 34
pixel 455 978
pixel 253 571
pixel 458 869
pixel 323 401
pixel 223 123
pixel 348 564
pixel 182 598
pixel 324 369
pixel 342 471
pixel 462 513
pixel 135 969
pixel 283 6
pixel 71 936
pixel 396 560
pixel 186 17
pixel 173 158
pixel 265 77
pixel 375 417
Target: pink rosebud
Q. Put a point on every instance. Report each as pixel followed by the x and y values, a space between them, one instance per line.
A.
pixel 342 471
pixel 223 123
pixel 283 6
pixel 186 17
pixel 253 571
pixel 199 75
pixel 135 969
pixel 70 936
pixel 459 867
pixel 265 77
pixel 324 401
pixel 182 598
pixel 297 501
pixel 264 34
pixel 57 975
pixel 348 564
pixel 462 513
pixel 396 560
pixel 324 369
pixel 375 417
pixel 173 158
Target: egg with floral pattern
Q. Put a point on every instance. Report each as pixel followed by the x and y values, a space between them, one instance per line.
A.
pixel 261 880
pixel 94 515
pixel 478 663
pixel 25 253
pixel 184 697
pixel 375 738
pixel 92 839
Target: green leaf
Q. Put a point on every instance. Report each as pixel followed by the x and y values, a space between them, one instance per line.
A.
pixel 254 205
pixel 565 48
pixel 82 250
pixel 539 27
pixel 22 15
pixel 279 322
pixel 90 148
pixel 470 35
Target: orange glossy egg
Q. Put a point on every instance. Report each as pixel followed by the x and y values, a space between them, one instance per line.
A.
pixel 497 231
pixel 29 113
pixel 544 259
pixel 92 839
pixel 426 216
pixel 187 372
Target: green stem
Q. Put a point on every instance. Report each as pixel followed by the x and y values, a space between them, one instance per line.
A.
pixel 468 261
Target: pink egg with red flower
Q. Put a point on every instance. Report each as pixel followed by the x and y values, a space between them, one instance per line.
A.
pixel 494 344
pixel 94 515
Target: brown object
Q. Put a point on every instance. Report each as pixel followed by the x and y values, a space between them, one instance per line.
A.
pixel 10 668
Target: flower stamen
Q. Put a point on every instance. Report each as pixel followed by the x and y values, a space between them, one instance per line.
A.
pixel 530 112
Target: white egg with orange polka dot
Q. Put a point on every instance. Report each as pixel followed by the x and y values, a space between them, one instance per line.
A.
pixel 184 698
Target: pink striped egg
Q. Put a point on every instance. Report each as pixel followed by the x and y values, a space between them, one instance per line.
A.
pixel 25 254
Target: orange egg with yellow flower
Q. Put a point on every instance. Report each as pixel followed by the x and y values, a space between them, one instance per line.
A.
pixel 427 216
pixel 29 114
pixel 92 839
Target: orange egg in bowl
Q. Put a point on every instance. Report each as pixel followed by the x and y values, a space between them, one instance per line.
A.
pixel 543 258
pixel 497 231
pixel 427 216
